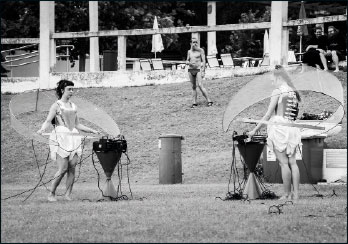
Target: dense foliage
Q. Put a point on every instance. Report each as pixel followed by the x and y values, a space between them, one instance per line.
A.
pixel 21 19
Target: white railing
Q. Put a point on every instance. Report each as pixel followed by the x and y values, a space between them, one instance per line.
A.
pixel 9 59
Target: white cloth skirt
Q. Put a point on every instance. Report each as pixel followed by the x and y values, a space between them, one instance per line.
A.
pixel 283 138
pixel 64 145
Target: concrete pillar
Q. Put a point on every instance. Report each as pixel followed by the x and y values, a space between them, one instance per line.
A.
pixel 211 11
pixel 46 17
pixel 279 35
pixel 93 41
pixel 121 52
pixel 53 48
pixel 136 65
pixel 197 35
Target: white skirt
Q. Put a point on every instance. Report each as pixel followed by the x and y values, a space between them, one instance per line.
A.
pixel 283 138
pixel 64 145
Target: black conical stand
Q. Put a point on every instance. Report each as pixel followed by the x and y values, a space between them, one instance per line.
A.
pixel 251 152
pixel 109 160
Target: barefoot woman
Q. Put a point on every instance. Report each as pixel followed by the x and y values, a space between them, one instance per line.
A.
pixel 64 147
pixel 284 139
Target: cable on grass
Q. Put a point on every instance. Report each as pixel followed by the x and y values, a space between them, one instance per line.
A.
pixel 41 175
pixel 268 194
pixel 279 207
pixel 327 216
pixel 40 181
pixel 275 209
pixel 333 193
pixel 44 171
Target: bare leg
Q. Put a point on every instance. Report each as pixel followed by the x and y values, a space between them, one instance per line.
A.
pixel 201 87
pixel 286 172
pixel 304 67
pixel 323 60
pixel 295 175
pixel 194 90
pixel 70 178
pixel 335 60
pixel 62 169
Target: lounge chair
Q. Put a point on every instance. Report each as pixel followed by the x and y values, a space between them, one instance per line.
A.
pixel 157 64
pixel 213 61
pixel 227 60
pixel 145 64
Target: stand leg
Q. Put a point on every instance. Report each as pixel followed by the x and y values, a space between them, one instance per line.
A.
pixel 109 190
pixel 252 188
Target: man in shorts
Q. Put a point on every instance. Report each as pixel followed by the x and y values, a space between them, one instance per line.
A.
pixel 196 62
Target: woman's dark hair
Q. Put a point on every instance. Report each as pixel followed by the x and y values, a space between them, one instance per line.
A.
pixel 280 71
pixel 61 86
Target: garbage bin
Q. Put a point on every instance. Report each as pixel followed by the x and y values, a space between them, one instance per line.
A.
pixel 310 163
pixel 109 60
pixel 170 168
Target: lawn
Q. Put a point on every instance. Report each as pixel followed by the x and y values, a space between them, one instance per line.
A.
pixel 186 212
pixel 174 213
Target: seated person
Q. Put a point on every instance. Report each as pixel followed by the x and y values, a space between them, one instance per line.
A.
pixel 316 49
pixel 336 47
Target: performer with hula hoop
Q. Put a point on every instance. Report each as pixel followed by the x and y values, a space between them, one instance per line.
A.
pixel 65 146
pixel 283 108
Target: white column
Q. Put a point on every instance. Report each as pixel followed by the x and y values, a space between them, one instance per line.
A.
pixel 121 52
pixel 53 53
pixel 93 41
pixel 211 11
pixel 279 35
pixel 45 43
pixel 196 35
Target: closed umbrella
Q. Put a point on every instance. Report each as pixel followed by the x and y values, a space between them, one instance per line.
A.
pixel 265 43
pixel 302 30
pixel 157 44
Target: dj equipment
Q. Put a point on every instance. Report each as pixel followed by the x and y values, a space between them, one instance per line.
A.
pixel 243 139
pixel 109 152
pixel 105 144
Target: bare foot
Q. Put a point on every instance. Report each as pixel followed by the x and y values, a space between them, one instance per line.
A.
pixel 285 197
pixel 294 196
pixel 336 70
pixel 51 198
pixel 68 198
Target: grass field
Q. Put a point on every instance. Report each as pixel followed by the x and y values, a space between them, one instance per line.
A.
pixel 187 212
pixel 174 213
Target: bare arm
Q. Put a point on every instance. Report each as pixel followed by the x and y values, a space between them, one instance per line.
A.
pixel 50 116
pixel 203 59
pixel 311 46
pixel 188 57
pixel 83 127
pixel 271 107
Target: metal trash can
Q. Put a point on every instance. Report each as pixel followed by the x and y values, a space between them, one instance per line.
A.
pixel 310 164
pixel 109 60
pixel 170 168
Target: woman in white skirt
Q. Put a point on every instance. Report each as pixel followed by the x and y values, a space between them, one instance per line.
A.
pixel 65 146
pixel 283 140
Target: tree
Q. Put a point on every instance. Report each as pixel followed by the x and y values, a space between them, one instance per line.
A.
pixel 247 42
pixel 21 19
